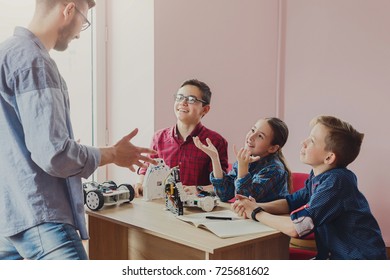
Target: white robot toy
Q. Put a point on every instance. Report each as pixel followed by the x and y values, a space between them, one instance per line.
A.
pixel 108 193
pixel 153 185
pixel 163 182
pixel 176 198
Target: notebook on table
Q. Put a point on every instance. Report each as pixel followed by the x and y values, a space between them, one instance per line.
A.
pixel 225 223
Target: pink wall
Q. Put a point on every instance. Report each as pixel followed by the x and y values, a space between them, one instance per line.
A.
pixel 337 62
pixel 230 46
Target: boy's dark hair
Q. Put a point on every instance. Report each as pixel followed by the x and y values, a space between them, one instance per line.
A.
pixel 202 86
pixel 281 132
pixel 343 140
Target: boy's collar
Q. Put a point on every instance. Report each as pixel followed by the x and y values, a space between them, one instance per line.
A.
pixel 194 132
pixel 323 171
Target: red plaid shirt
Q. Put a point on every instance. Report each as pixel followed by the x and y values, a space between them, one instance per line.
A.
pixel 195 166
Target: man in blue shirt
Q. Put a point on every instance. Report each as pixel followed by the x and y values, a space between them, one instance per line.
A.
pixel 330 204
pixel 41 203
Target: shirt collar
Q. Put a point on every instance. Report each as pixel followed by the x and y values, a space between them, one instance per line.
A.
pixel 195 132
pixel 316 180
pixel 266 159
pixel 24 32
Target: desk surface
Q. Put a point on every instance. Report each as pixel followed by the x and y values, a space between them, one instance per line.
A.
pixel 150 217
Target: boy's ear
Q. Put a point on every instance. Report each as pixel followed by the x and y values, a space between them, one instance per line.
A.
pixel 330 159
pixel 206 109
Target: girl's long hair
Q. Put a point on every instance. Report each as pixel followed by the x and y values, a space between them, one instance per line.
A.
pixel 280 130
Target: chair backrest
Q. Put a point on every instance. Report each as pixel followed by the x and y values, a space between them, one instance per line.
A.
pixel 298 180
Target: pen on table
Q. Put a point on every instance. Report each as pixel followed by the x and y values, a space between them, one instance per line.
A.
pixel 219 218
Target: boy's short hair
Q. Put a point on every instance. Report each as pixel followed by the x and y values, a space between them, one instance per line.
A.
pixel 202 86
pixel 343 140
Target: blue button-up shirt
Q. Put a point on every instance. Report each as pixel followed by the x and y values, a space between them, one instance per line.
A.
pixel 332 206
pixel 41 164
pixel 267 180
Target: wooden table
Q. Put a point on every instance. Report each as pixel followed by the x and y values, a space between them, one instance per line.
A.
pixel 144 230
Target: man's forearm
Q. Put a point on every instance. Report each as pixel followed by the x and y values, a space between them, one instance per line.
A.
pixel 107 155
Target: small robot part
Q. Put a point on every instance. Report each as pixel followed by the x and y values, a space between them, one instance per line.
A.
pixel 108 193
pixel 176 198
pixel 153 185
pixel 174 193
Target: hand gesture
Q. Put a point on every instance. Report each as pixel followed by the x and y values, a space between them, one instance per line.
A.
pixel 244 156
pixel 125 154
pixel 128 154
pixel 244 206
pixel 210 149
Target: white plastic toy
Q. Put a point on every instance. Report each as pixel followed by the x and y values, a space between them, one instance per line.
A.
pixel 97 195
pixel 153 185
pixel 176 198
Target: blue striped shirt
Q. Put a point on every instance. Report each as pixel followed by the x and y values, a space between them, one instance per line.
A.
pixel 332 206
pixel 41 165
pixel 267 180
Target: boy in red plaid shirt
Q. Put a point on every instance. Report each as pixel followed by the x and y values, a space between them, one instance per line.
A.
pixel 175 144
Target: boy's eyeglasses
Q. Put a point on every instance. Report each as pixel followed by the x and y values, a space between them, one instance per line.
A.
pixel 190 99
pixel 86 23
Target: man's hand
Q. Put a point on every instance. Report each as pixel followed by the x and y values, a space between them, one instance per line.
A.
pixel 125 154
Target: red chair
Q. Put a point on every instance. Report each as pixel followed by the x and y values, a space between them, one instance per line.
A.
pixel 230 167
pixel 302 248
pixel 298 180
pixel 301 254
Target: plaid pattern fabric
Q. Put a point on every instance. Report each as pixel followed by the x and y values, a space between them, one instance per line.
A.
pixel 195 166
pixel 265 181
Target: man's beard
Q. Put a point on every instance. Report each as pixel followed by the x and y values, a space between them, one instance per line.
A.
pixel 65 35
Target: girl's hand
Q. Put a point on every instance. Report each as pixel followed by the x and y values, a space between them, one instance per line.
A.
pixel 212 152
pixel 210 149
pixel 244 156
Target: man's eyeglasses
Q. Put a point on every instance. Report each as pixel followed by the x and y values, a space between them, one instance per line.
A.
pixel 190 99
pixel 86 23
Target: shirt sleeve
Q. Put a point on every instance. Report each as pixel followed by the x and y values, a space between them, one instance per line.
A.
pixel 222 148
pixel 326 202
pixel 298 203
pixel 298 198
pixel 321 207
pixel 46 125
pixel 302 221
pixel 264 183
pixel 224 187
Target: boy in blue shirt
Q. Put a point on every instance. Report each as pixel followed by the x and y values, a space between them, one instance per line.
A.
pixel 330 204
